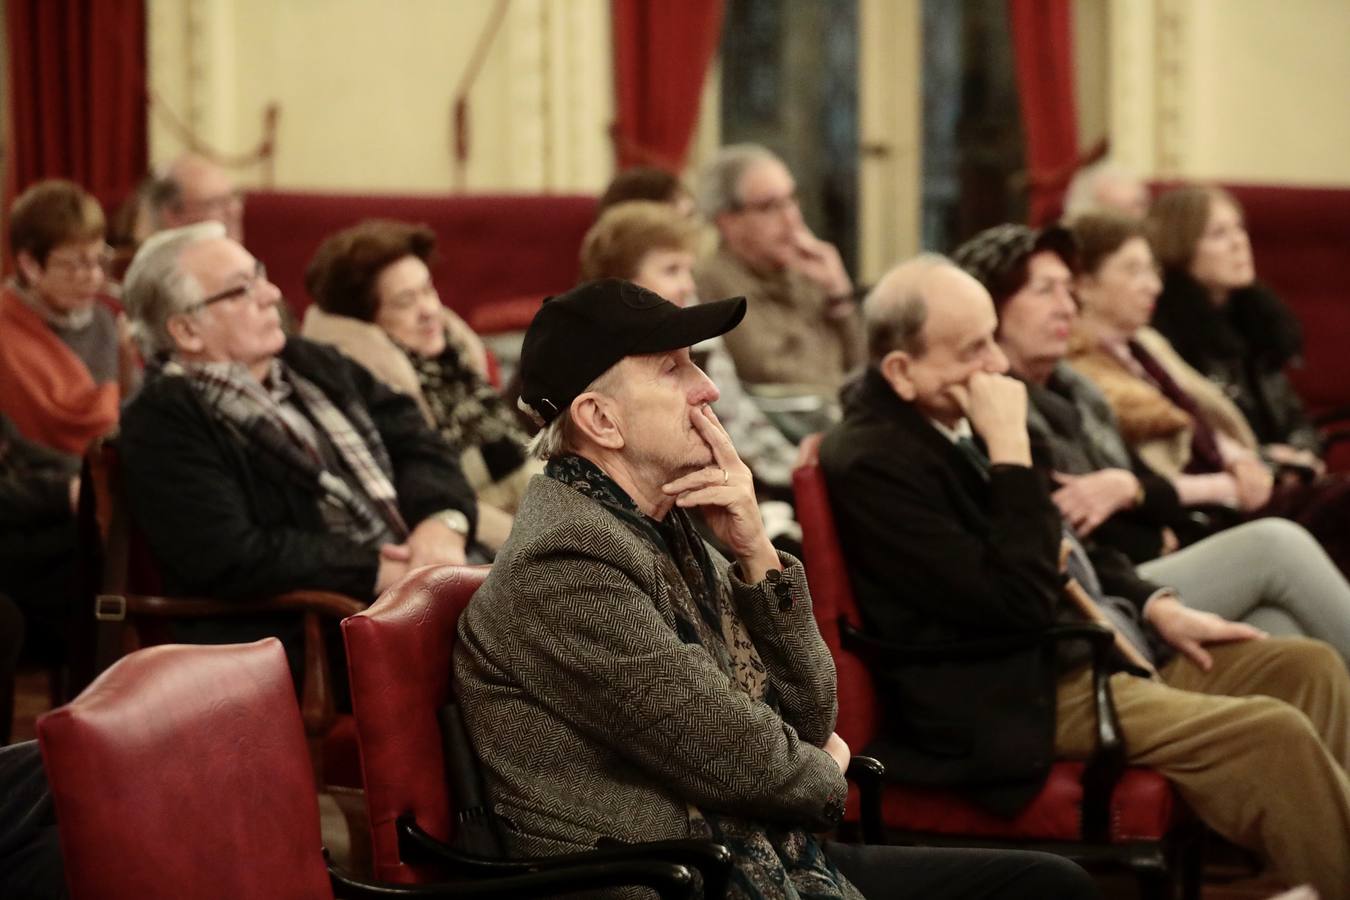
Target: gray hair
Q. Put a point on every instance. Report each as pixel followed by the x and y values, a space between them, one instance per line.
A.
pixel 895 310
pixel 156 288
pixel 719 181
pixel 1081 196
pixel 559 437
pixel 164 193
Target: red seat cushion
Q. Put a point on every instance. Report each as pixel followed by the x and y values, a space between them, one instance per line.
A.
pixel 1143 808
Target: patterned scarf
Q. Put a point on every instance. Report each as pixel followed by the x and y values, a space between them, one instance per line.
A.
pixel 468 411
pixel 365 506
pixel 770 863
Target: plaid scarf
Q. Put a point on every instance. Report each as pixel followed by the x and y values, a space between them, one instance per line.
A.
pixel 771 863
pixel 365 506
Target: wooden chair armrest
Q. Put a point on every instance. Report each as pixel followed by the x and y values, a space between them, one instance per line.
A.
pixel 323 602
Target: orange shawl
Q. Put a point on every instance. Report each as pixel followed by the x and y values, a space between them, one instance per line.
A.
pixel 45 389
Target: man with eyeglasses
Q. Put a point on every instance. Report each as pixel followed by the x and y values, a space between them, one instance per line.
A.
pixel 194 189
pixel 258 463
pixel 802 328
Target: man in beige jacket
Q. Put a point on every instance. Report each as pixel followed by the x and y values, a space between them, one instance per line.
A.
pixel 802 331
pixel 621 680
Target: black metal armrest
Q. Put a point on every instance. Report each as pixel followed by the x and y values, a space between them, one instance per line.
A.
pixel 868 773
pixel 670 881
pixel 712 861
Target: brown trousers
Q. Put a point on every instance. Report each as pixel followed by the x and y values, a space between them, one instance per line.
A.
pixel 1258 747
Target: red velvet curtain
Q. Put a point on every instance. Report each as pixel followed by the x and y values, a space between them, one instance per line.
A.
pixel 1042 32
pixel 76 77
pixel 662 49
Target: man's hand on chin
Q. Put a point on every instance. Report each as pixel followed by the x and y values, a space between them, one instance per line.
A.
pixel 724 491
pixel 996 406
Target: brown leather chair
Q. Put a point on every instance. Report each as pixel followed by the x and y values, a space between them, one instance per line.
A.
pixel 182 772
pixel 1096 812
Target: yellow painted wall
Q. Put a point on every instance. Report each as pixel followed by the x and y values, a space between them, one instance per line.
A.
pixel 366 89
pixel 1272 90
pixel 1237 90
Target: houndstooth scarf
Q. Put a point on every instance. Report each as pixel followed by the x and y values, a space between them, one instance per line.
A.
pixel 365 506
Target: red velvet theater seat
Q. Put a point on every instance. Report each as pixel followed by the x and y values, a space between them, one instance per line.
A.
pixel 1144 812
pixel 491 247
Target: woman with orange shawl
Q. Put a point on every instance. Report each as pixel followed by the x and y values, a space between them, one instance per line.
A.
pixel 64 360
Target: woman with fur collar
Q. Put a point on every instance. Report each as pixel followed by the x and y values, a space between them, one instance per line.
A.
pixel 376 302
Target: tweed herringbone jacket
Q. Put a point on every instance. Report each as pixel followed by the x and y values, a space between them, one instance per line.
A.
pixel 590 716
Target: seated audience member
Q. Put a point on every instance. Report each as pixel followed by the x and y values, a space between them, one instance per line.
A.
pixel 1269 572
pixel 647 183
pixel 375 301
pixel 1224 323
pixel 652 245
pixel 257 464
pixel 802 327
pixel 194 189
pixel 621 680
pixel 951 539
pixel 38 489
pixel 65 362
pixel 1179 421
pixel 1105 186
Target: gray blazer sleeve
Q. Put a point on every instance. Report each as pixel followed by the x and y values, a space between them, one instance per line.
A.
pixel 781 625
pixel 595 649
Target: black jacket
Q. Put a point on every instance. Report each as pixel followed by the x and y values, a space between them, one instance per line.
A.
pixel 229 523
pixel 936 554
pixel 1243 346
pixel 37 527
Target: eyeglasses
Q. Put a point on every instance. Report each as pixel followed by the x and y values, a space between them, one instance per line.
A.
pixel 98 261
pixel 770 205
pixel 217 204
pixel 247 289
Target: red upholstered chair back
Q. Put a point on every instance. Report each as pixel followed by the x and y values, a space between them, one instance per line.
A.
pixel 490 247
pixel 398 657
pixel 182 772
pixel 832 597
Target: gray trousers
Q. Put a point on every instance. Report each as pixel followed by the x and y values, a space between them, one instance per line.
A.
pixel 1270 573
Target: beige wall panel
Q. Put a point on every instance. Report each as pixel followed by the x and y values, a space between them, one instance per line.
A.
pixel 1092 63
pixel 1272 90
pixel 1237 90
pixel 365 89
pixel 889 121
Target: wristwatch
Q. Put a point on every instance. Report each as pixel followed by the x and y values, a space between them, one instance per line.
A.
pixel 453 519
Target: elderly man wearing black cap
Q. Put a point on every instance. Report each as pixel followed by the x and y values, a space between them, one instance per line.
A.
pixel 952 534
pixel 621 680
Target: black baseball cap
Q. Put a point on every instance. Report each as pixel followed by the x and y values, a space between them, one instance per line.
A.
pixel 575 337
